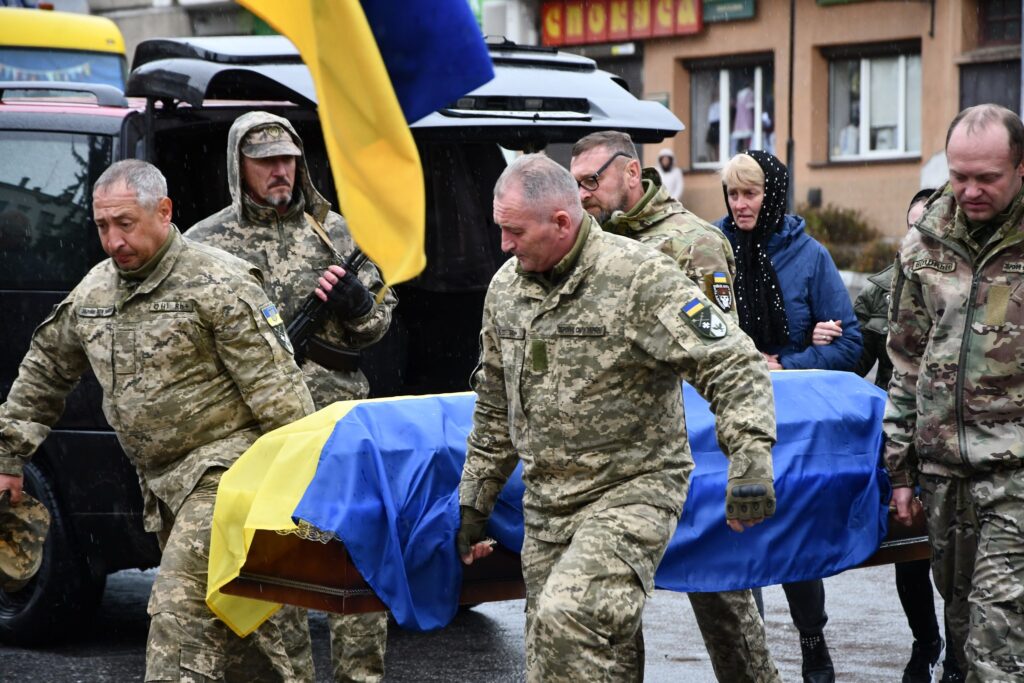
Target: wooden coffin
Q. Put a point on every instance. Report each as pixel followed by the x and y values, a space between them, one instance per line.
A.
pixel 317 575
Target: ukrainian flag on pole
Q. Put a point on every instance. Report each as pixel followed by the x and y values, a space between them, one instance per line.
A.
pixel 379 65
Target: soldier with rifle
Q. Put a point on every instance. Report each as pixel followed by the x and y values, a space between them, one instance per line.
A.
pixel 279 222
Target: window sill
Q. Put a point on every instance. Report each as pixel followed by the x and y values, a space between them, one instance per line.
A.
pixel 866 161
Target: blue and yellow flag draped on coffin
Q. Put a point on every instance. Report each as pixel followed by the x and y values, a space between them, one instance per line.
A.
pixel 378 66
pixel 383 476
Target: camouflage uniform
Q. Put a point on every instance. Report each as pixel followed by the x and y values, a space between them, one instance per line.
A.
pixel 729 622
pixel 190 358
pixel 23 529
pixel 955 418
pixel 700 249
pixel 579 379
pixel 292 256
pixel 872 311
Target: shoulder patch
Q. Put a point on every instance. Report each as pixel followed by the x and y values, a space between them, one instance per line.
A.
pixel 273 319
pixel 934 264
pixel 705 320
pixel 1013 267
pixel 719 289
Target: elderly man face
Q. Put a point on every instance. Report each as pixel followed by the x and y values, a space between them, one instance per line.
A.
pixel 538 236
pixel 129 232
pixel 984 176
pixel 270 180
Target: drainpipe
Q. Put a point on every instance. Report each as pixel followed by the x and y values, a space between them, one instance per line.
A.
pixel 790 206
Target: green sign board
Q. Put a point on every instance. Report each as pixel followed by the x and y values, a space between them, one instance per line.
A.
pixel 727 10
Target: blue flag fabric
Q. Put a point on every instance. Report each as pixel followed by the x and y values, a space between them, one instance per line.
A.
pixel 386 484
pixel 433 50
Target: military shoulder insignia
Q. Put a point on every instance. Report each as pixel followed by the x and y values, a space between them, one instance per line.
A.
pixel 717 286
pixel 704 319
pixel 277 325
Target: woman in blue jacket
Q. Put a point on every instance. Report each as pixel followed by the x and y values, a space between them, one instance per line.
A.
pixel 793 304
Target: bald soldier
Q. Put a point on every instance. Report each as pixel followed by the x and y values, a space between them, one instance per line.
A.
pixel 954 423
pixel 585 338
pixel 194 366
pixel 631 201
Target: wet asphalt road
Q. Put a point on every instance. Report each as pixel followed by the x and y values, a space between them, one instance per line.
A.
pixel 867 633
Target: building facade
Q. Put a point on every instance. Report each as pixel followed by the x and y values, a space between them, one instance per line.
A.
pixel 875 84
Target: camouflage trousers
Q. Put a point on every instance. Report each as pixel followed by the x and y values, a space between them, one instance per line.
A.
pixel 186 641
pixel 976 531
pixel 358 642
pixel 734 636
pixel 585 598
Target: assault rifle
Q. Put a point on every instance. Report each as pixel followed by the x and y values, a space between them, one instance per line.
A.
pixel 310 319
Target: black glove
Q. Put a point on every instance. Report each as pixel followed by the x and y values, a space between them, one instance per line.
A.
pixel 749 499
pixel 350 298
pixel 472 524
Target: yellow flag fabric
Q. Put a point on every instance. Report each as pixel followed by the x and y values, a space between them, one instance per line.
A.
pixel 373 157
pixel 260 492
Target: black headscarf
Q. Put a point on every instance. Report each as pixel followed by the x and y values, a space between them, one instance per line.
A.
pixel 758 293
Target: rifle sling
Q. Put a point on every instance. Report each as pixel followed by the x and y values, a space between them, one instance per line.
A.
pixel 322 234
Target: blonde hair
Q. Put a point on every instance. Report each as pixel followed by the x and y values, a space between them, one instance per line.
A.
pixel 742 171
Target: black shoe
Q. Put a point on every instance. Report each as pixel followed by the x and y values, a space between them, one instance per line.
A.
pixel 924 659
pixel 817 666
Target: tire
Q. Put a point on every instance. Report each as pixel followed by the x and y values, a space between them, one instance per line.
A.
pixel 64 594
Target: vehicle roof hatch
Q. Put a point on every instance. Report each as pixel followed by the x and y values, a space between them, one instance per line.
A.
pixel 225 68
pixel 537 95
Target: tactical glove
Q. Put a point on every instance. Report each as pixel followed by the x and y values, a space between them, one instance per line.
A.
pixel 472 524
pixel 749 499
pixel 350 298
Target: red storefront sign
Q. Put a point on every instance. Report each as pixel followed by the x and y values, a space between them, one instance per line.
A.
pixel 574 22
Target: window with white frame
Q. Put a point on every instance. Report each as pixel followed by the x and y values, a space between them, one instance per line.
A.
pixel 875 106
pixel 748 122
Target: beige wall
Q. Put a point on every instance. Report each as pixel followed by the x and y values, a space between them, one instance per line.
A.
pixel 880 189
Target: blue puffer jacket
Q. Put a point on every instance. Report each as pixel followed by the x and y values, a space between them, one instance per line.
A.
pixel 813 292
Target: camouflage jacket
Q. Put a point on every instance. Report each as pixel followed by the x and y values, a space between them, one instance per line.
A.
pixel 955 326
pixel 580 381
pixel 872 311
pixel 700 249
pixel 287 249
pixel 190 360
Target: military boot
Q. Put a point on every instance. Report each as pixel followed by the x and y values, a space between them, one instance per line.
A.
pixel 817 666
pixel 924 660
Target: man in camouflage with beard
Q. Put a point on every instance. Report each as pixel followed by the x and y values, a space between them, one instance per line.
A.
pixel 631 201
pixel 193 362
pixel 279 222
pixel 955 417
pixel 585 338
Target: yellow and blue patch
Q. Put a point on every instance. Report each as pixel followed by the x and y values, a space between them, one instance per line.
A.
pixel 273 318
pixel 705 320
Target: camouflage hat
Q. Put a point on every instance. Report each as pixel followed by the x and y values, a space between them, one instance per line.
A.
pixel 23 530
pixel 271 140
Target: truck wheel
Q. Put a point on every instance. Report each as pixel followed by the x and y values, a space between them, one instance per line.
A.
pixel 64 594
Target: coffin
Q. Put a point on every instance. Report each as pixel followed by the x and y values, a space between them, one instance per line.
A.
pixel 382 477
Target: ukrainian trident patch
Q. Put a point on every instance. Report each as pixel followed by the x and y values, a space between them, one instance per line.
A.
pixel 704 319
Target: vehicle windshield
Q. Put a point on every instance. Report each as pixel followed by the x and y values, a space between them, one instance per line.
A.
pixel 47 237
pixel 74 66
